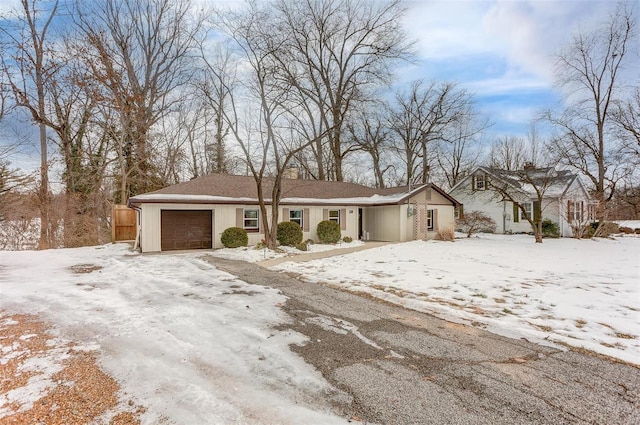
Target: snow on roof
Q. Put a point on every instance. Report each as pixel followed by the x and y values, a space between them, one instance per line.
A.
pixel 209 199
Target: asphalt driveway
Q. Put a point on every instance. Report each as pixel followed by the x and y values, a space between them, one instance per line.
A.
pixel 403 367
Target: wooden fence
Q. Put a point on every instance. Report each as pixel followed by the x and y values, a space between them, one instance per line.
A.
pixel 123 223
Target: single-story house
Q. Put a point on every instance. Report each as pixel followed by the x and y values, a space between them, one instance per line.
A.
pixel 194 214
pixel 565 201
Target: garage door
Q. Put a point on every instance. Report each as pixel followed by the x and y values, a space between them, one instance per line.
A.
pixel 185 229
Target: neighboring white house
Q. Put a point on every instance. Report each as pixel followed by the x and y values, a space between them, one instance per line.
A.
pixel 565 200
pixel 193 214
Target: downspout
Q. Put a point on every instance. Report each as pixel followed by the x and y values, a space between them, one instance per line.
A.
pixel 504 217
pixel 136 243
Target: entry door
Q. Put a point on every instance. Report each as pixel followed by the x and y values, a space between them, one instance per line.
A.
pixel 186 229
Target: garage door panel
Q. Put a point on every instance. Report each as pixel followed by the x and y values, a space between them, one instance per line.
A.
pixel 186 229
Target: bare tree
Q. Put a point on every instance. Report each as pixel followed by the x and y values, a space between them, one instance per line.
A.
pixel 458 151
pixel 591 70
pixel 335 50
pixel 508 153
pixel 30 63
pixel 369 130
pixel 522 186
pixel 138 50
pixel 421 117
pixel 217 81
pixel 626 116
pixel 268 136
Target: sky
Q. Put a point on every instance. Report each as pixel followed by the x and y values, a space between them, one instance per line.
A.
pixel 502 51
pixel 196 345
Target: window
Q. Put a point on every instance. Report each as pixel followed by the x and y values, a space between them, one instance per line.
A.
pixel 429 219
pixel 296 216
pixel 575 211
pixel 528 210
pixel 480 182
pixel 458 212
pixel 591 211
pixel 251 220
pixel 334 215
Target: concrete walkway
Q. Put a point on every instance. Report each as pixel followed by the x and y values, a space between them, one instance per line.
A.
pixel 300 258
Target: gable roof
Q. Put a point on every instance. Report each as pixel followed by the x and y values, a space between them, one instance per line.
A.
pixel 558 181
pixel 227 189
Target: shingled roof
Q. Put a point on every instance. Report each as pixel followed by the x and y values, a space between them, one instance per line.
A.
pixel 225 188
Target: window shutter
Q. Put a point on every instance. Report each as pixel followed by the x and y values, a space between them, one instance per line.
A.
pixel 516 213
pixel 305 220
pixel 435 220
pixel 240 217
pixel 569 211
pixel 473 182
pixel 343 219
pixel 461 211
pixel 285 214
pixel 536 211
pixel 582 210
pixel 325 214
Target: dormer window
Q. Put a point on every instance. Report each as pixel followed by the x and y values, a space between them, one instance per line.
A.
pixel 480 182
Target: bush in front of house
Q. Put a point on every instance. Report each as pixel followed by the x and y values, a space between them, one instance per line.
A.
pixel 550 229
pixel 347 239
pixel 302 246
pixel 605 229
pixel 445 235
pixel 476 221
pixel 328 231
pixel 234 237
pixel 289 233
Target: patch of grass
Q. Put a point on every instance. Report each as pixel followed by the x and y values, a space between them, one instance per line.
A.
pixel 507 311
pixel 580 323
pixel 616 345
pixel 624 336
pixel 84 268
pixel 499 300
pixel 478 294
pixel 506 289
pixel 543 328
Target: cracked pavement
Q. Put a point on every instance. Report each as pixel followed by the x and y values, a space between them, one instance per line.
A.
pixel 397 366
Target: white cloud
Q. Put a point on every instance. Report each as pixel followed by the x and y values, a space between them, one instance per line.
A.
pixel 523 35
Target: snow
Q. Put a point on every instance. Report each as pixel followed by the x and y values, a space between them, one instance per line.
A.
pixel 253 255
pixel 633 224
pixel 582 293
pixel 196 345
pixel 213 199
pixel 191 343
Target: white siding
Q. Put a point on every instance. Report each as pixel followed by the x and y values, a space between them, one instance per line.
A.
pixel 224 216
pixel 383 224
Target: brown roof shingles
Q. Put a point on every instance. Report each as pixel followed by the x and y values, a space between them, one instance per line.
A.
pixel 231 186
pixel 245 187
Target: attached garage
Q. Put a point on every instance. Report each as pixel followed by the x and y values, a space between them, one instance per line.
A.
pixel 186 229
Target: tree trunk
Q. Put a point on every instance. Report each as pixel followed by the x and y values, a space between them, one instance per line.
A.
pixel 43 192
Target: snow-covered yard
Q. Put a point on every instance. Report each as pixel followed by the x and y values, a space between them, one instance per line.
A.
pixel 583 293
pixel 192 344
pixel 196 345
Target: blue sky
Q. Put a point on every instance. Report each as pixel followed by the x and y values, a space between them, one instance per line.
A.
pixel 502 51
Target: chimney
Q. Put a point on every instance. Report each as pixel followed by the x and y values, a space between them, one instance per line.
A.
pixel 291 173
pixel 528 166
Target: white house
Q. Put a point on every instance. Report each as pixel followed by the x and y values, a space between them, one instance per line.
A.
pixel 193 214
pixel 565 198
